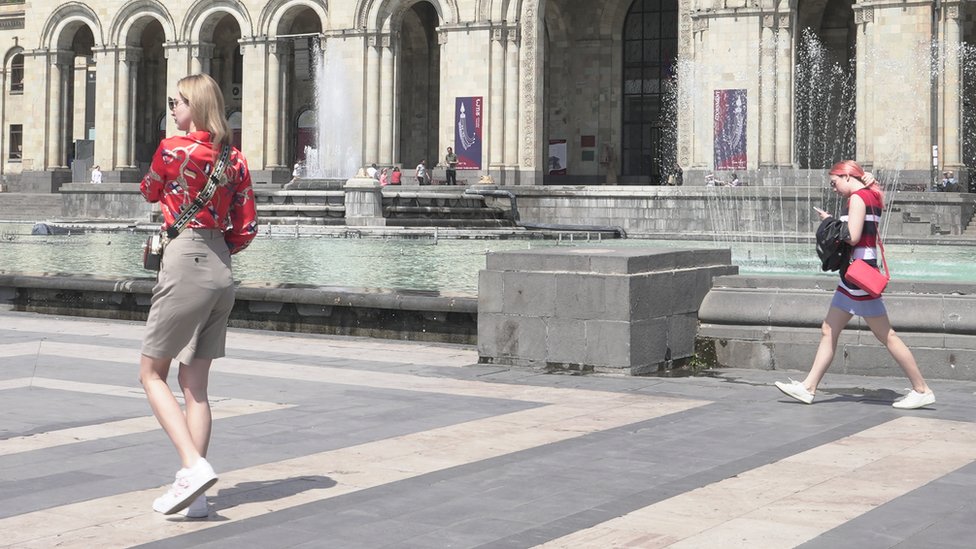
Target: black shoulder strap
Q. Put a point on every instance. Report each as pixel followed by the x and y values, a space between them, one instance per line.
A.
pixel 203 197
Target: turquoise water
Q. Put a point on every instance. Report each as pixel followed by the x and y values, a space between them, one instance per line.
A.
pixel 422 264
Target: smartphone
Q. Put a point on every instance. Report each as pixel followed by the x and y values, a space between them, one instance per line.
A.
pixel 818 210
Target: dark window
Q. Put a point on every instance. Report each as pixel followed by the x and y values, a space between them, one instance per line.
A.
pixel 650 48
pixel 17 74
pixel 16 141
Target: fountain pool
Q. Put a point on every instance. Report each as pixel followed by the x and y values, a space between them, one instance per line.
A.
pixel 419 264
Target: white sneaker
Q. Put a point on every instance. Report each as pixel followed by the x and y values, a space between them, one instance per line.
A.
pixel 796 390
pixel 197 509
pixel 914 399
pixel 189 484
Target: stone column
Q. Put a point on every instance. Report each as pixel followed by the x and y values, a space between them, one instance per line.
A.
pixel 273 141
pixel 496 101
pixel 61 62
pixel 701 126
pixel 177 66
pixel 767 91
pixel 784 91
pixel 371 154
pixel 864 150
pixel 80 86
pixel 105 101
pixel 511 99
pixel 201 54
pixel 530 116
pixel 128 60
pixel 254 103
pixel 387 77
pixel 951 87
pixel 286 59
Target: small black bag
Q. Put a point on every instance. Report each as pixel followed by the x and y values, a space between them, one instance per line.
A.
pixel 152 252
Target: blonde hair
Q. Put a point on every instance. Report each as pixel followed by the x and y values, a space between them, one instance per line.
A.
pixel 206 102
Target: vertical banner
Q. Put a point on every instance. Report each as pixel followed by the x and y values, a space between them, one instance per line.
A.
pixel 467 139
pixel 730 129
pixel 557 157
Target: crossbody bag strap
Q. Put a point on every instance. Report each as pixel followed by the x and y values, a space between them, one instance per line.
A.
pixel 202 198
pixel 881 245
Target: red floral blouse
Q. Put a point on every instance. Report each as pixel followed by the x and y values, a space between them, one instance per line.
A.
pixel 179 171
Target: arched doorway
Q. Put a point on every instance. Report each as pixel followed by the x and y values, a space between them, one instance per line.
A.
pixel 824 103
pixel 650 50
pixel 150 92
pixel 78 116
pixel 303 27
pixel 419 85
pixel 305 133
pixel 227 63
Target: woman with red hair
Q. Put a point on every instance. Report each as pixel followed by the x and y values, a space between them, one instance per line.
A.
pixel 862 213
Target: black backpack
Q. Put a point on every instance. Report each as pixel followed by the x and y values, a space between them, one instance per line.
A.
pixel 832 249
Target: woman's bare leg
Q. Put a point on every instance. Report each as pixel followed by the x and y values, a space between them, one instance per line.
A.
pixel 881 327
pixel 152 374
pixel 830 331
pixel 193 379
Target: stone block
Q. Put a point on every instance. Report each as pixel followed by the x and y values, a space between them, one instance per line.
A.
pixel 960 315
pixel 537 261
pixel 608 344
pixel 566 341
pixel 682 330
pixel 652 295
pixel 487 335
pixel 491 289
pixel 649 345
pixel 580 296
pixel 529 293
pixel 531 340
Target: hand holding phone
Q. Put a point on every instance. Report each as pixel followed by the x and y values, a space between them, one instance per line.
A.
pixel 823 214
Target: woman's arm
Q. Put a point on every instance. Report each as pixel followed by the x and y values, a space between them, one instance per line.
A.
pixel 855 218
pixel 154 182
pixel 243 214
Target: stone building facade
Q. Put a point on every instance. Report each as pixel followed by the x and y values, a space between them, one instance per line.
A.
pixel 85 82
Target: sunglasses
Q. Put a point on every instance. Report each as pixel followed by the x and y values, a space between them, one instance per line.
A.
pixel 174 102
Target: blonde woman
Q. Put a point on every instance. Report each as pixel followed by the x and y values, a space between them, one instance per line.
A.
pixel 194 295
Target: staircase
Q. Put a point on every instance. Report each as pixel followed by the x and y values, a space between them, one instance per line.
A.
pixel 29 206
pixel 406 206
pixel 970 230
pixel 300 207
pixel 431 207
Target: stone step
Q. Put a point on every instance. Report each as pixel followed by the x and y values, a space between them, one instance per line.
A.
pixel 29 206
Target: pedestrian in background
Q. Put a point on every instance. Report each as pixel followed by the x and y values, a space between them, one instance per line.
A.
pixel 862 214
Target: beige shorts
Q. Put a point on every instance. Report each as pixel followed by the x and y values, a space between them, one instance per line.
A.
pixel 192 299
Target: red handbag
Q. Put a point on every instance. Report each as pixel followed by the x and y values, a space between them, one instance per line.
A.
pixel 869 278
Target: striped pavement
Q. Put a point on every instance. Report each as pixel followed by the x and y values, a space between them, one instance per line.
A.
pixel 349 442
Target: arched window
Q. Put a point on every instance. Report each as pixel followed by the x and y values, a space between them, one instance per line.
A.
pixel 650 51
pixel 17 73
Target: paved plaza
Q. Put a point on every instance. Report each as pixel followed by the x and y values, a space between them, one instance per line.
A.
pixel 355 443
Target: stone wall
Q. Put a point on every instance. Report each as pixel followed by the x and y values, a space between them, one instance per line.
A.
pixel 773 323
pixel 389 314
pixel 105 201
pixel 734 212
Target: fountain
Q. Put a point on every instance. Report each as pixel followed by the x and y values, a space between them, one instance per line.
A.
pixel 335 156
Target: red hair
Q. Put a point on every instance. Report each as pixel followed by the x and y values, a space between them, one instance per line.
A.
pixel 853 169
